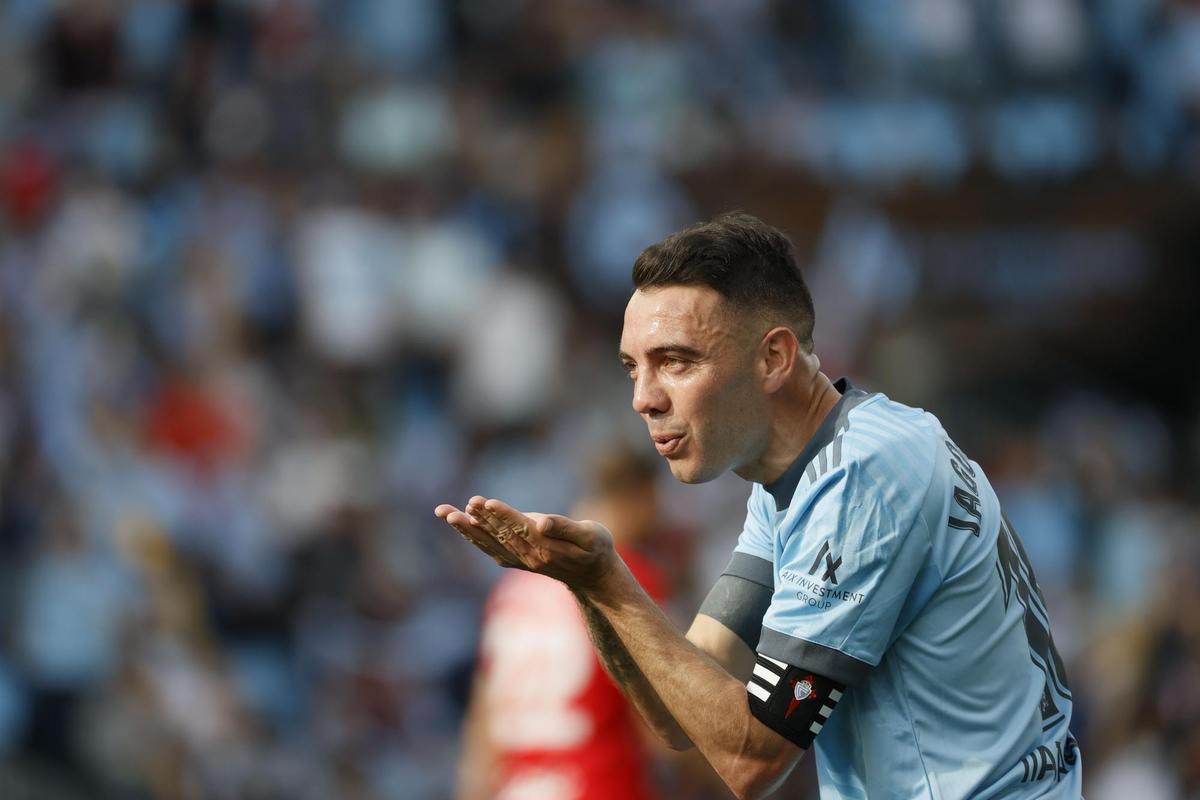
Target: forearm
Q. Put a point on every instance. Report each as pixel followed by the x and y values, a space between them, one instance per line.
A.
pixel 629 678
pixel 707 703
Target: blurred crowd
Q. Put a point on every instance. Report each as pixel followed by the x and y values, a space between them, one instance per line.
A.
pixel 278 276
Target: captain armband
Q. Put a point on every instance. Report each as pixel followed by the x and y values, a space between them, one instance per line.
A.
pixel 793 702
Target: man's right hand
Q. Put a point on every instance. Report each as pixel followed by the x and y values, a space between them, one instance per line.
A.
pixel 473 529
pixel 579 553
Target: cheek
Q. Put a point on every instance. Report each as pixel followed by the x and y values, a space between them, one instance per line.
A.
pixel 714 413
pixel 695 402
pixel 733 411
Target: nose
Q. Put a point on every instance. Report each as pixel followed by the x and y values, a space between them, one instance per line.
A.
pixel 649 397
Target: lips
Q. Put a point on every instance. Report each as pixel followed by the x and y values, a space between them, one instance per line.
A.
pixel 667 443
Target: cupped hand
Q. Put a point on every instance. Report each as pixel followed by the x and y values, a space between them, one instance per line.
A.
pixel 577 552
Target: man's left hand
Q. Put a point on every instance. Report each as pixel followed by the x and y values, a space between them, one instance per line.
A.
pixel 577 552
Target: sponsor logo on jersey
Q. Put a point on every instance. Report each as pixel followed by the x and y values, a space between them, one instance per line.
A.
pixel 821 593
pixel 816 594
pixel 832 562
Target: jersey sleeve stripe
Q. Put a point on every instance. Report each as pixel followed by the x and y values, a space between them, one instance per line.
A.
pixel 738 602
pixel 834 664
pixel 751 568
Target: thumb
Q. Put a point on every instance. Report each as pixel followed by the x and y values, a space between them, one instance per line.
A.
pixel 556 526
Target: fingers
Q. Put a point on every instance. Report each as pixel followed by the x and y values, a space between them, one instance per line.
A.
pixel 501 517
pixel 512 529
pixel 506 539
pixel 471 529
pixel 514 539
pixel 503 520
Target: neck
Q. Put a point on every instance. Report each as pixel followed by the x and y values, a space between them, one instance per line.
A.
pixel 792 427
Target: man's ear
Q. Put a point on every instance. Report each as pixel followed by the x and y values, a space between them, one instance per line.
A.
pixel 779 352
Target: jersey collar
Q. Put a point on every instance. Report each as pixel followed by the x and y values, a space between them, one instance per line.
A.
pixel 833 424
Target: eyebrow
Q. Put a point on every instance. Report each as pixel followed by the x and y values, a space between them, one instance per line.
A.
pixel 663 349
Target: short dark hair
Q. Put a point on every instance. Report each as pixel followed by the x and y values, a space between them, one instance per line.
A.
pixel 745 260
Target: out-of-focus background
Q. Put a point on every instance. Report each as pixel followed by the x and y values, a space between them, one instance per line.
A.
pixel 278 276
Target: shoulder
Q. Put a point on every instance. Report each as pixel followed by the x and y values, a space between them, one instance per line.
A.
pixel 882 456
pixel 886 443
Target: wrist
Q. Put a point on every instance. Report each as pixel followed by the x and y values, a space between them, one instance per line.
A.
pixel 610 584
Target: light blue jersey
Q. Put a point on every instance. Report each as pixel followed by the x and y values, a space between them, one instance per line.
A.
pixel 891 569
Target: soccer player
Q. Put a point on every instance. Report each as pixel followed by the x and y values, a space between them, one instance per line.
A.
pixel 545 722
pixel 878 606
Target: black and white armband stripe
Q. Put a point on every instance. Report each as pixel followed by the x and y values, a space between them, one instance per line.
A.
pixel 793 702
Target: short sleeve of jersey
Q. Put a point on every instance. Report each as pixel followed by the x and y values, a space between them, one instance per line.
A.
pixel 849 552
pixel 756 538
pixel 740 597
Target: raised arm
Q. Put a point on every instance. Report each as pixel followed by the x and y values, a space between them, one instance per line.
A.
pixel 707 703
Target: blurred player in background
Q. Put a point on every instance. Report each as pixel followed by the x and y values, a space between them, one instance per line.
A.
pixel 545 722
